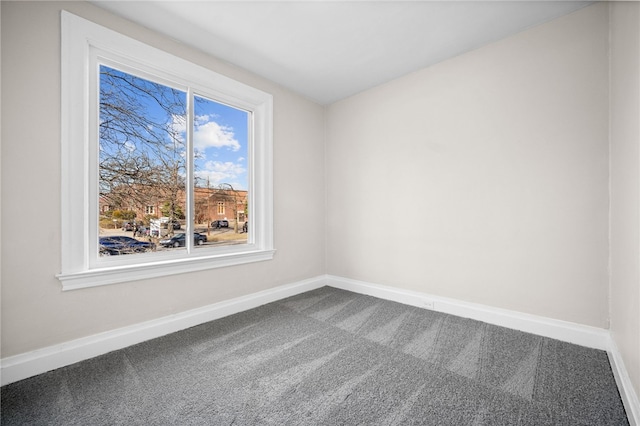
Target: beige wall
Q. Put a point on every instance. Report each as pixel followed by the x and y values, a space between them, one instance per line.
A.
pixel 501 157
pixel 35 313
pixel 625 184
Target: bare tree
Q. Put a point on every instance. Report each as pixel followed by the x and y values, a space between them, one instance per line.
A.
pixel 142 146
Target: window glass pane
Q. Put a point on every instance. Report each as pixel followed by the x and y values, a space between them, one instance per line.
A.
pixel 220 141
pixel 142 170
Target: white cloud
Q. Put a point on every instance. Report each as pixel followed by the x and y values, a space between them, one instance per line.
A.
pixel 129 146
pixel 207 134
pixel 178 123
pixel 211 134
pixel 205 118
pixel 218 172
pixel 179 127
pixel 201 119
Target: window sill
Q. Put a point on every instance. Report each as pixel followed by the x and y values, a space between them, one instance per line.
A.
pixel 118 274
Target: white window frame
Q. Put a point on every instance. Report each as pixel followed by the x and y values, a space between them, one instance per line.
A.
pixel 84 44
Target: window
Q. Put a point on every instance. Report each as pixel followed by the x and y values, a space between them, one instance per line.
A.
pixel 220 207
pixel 168 146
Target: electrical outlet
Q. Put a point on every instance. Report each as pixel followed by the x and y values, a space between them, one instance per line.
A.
pixel 428 304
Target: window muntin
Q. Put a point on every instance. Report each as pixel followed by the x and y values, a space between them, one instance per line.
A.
pixel 86 47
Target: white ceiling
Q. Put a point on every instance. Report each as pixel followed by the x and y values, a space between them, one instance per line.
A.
pixel 329 50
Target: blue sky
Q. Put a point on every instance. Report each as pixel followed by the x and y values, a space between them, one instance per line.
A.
pixel 220 136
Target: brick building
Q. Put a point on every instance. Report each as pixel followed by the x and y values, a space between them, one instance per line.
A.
pixel 150 203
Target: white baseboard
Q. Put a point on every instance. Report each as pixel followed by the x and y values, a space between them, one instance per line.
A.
pixel 582 335
pixel 629 396
pixel 40 361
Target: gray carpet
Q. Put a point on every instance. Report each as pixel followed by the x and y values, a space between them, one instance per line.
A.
pixel 329 357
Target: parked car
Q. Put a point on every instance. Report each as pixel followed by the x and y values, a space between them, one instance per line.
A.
pixel 176 225
pixel 127 226
pixel 179 240
pixel 119 244
pixel 220 223
pixel 142 231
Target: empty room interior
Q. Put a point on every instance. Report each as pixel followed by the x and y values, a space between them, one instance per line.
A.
pixel 465 173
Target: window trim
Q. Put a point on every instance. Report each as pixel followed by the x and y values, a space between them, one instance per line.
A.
pixel 82 40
